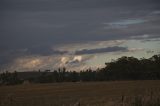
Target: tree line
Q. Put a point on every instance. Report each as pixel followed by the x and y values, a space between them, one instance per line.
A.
pixel 124 68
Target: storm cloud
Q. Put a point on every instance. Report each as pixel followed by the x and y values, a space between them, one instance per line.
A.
pixel 38 27
pixel 101 50
pixel 39 22
pixel 44 51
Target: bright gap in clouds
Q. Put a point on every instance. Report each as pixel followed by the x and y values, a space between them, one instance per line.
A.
pixel 136 48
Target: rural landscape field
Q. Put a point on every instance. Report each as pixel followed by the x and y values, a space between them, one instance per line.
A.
pixel 111 93
pixel 79 52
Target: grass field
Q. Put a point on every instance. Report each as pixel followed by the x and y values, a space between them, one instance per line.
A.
pixel 113 93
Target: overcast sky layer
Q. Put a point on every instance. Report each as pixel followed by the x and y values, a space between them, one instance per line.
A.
pixel 77 34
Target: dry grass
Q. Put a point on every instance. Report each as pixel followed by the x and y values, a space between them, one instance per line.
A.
pixel 114 93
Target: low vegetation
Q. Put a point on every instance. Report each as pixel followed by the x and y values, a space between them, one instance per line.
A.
pixel 127 81
pixel 124 68
pixel 111 93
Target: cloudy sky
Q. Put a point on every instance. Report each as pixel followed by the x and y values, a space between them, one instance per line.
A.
pixel 77 34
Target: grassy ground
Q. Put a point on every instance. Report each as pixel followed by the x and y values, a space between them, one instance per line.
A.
pixel 113 93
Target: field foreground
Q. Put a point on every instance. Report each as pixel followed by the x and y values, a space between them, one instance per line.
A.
pixel 113 93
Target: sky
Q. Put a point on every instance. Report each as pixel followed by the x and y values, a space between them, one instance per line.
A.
pixel 76 34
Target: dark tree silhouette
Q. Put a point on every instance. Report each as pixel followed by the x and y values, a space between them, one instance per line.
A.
pixel 124 68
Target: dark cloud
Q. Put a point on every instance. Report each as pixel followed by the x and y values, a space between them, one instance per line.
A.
pixel 70 4
pixel 37 22
pixel 7 56
pixel 38 25
pixel 44 51
pixel 101 50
